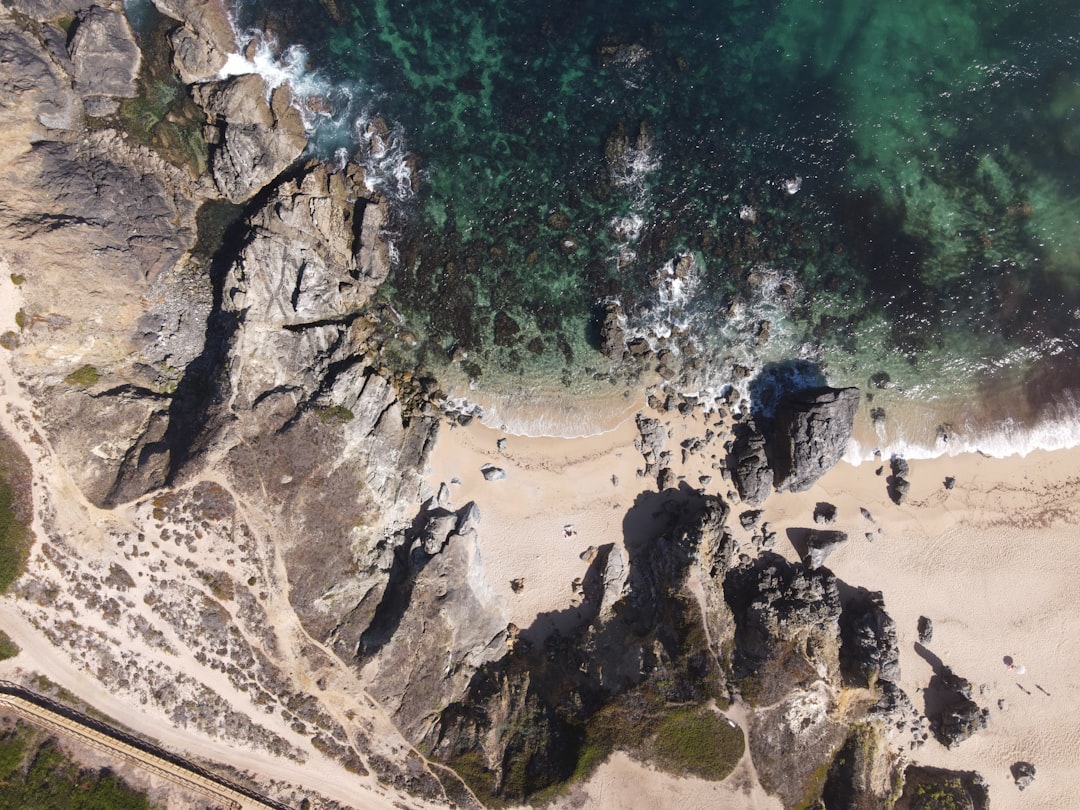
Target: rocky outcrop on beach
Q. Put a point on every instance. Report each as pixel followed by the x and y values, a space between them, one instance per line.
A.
pixel 651 443
pixel 796 648
pixel 749 465
pixel 956 715
pixel 811 433
pixel 787 627
pixel 868 650
pixel 805 439
pixel 1023 774
pixel 613 332
pixel 820 544
pixel 516 730
pixel 897 484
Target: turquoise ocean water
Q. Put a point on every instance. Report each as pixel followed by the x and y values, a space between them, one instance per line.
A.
pixel 887 190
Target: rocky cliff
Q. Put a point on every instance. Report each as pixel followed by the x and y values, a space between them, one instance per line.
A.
pixel 202 341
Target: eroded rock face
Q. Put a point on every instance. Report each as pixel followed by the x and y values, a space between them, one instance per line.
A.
pixel 36 92
pixel 862 775
pixel 749 466
pixel 811 434
pixel 787 626
pixel 518 724
pixel 105 59
pixel 869 650
pixel 254 135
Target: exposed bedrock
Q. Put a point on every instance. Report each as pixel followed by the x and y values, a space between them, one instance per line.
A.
pixel 749 465
pixel 790 452
pixel 810 435
pixel 803 639
pixel 104 58
pixel 634 644
pixel 254 134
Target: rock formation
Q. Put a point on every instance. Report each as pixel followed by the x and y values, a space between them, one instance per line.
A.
pixel 820 544
pixel 749 466
pixel 956 716
pixel 254 134
pixel 868 649
pixel 613 332
pixel 811 433
pixel 1023 774
pixel 104 58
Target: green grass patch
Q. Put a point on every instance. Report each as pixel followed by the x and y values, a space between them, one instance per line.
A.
pixel 949 794
pixel 334 414
pixel 36 773
pixel 474 773
pixel 8 648
pixel 84 376
pixel 15 512
pixel 697 741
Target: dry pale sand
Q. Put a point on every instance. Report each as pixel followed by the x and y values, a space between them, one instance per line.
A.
pixel 995 563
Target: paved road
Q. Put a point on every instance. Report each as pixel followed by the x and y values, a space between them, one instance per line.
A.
pixel 35 710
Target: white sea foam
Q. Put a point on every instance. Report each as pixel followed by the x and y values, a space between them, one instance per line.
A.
pixel 1008 438
pixel 329 111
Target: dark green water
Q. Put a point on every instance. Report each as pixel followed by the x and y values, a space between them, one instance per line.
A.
pixel 565 152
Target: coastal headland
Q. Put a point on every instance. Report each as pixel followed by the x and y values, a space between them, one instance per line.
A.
pixel 239 527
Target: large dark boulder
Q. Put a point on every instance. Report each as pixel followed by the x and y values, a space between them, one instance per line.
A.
pixel 820 543
pixel 957 715
pixel 749 466
pixel 868 645
pixel 810 435
pixel 613 332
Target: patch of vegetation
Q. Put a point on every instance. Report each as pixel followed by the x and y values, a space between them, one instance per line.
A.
pixel 814 786
pixel 64 22
pixel 474 773
pixel 9 340
pixel 697 741
pixel 8 648
pixel 15 512
pixel 949 794
pixel 334 414
pixel 21 319
pixel 219 583
pixel 84 376
pixel 36 773
pixel 163 116
pixel 17 279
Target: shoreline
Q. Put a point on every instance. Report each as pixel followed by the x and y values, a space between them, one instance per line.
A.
pixel 991 562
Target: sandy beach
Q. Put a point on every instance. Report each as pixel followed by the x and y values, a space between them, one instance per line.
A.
pixel 992 562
